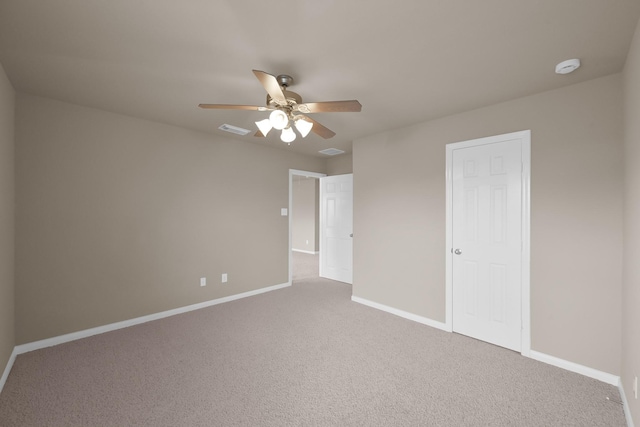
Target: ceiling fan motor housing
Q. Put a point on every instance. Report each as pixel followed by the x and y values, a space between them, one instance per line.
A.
pixel 284 80
pixel 291 97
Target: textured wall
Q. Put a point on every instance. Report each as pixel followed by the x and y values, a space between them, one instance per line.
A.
pixel 7 206
pixel 576 215
pixel 119 217
pixel 631 283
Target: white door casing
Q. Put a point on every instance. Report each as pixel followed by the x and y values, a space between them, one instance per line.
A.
pixel 336 228
pixel 488 239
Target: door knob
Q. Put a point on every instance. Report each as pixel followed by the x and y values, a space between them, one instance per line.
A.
pixel 351 235
pixel 457 252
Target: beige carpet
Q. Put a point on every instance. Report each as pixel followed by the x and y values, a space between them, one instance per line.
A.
pixel 305 266
pixel 304 355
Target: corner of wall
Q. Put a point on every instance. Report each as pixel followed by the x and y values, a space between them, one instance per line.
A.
pixel 7 225
pixel 630 355
pixel 339 165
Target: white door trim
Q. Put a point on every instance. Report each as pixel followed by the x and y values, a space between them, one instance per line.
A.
pixel 525 138
pixel 293 172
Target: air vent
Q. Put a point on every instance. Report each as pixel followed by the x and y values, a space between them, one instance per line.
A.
pixel 331 151
pixel 234 129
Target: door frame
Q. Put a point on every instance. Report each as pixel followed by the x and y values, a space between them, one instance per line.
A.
pixel 525 141
pixel 307 174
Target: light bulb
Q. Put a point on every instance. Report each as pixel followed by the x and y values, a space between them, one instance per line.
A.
pixel 304 127
pixel 278 119
pixel 288 135
pixel 264 126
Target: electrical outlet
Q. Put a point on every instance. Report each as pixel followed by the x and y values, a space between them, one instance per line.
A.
pixel 635 387
pixel 203 281
pixel 224 278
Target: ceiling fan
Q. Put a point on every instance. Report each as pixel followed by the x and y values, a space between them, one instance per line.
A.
pixel 288 110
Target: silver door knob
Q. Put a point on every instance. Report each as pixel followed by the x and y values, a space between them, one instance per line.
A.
pixel 351 235
pixel 457 252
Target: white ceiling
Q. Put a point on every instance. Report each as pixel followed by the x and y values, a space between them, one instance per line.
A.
pixel 406 61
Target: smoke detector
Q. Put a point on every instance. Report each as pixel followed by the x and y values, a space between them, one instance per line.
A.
pixel 331 151
pixel 568 66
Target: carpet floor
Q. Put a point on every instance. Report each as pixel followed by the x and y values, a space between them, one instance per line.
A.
pixel 305 355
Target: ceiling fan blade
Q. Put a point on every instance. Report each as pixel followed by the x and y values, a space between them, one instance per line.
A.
pixel 330 107
pixel 259 134
pixel 319 129
pixel 231 107
pixel 271 85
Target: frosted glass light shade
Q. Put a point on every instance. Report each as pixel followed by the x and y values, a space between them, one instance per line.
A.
pixel 264 126
pixel 304 127
pixel 278 119
pixel 288 135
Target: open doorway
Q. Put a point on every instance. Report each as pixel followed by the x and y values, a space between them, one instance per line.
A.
pixel 304 224
pixel 305 217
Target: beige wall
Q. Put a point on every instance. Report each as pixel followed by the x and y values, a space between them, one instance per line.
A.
pixel 305 212
pixel 576 215
pixel 631 277
pixel 340 164
pixel 119 217
pixel 7 206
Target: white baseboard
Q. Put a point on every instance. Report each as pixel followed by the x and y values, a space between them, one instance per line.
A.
pixel 36 345
pixel 541 357
pixel 305 252
pixel 536 355
pixel 625 405
pixel 401 313
pixel 7 369
pixel 574 367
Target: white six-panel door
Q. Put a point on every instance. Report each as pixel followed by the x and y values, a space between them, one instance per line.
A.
pixel 487 242
pixel 336 227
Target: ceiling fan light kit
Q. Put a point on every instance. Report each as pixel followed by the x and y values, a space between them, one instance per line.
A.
pixel 288 135
pixel 303 126
pixel 264 126
pixel 278 119
pixel 287 109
